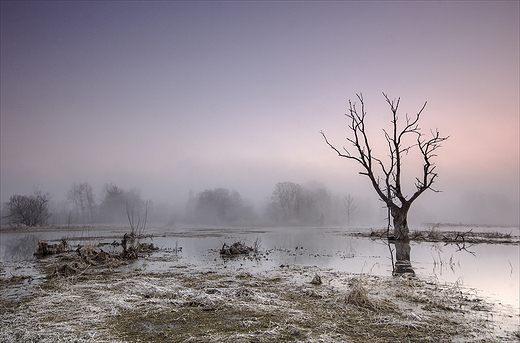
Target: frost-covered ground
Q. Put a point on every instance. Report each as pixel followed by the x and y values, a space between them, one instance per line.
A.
pixel 270 296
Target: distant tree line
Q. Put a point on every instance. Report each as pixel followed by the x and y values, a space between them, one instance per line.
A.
pixel 219 206
pixel 80 208
pixel 312 204
pixel 116 201
pixel 289 204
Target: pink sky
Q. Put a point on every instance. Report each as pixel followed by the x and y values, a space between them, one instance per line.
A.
pixel 172 96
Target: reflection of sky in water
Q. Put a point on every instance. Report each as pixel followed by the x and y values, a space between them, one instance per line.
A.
pixel 492 270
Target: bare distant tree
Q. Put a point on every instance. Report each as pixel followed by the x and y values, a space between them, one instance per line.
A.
pixel 137 218
pixel 388 185
pixel 219 206
pixel 305 206
pixel 308 204
pixel 350 208
pixel 213 205
pixel 286 195
pixel 82 198
pixel 32 210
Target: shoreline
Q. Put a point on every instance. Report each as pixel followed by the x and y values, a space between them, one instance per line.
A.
pixel 116 300
pixel 117 304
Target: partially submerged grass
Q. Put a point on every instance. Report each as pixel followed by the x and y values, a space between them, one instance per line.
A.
pixel 433 234
pixel 88 296
pixel 222 305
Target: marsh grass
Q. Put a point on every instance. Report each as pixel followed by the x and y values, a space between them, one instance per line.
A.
pixel 112 301
pixel 358 296
pixel 433 234
pixel 220 305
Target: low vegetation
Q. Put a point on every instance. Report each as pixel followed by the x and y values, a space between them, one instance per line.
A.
pixel 88 297
pixel 104 293
pixel 452 237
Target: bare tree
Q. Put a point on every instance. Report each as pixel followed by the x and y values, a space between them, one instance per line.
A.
pixel 219 206
pixel 32 210
pixel 286 195
pixel 82 198
pixel 388 185
pixel 306 206
pixel 350 208
pixel 136 219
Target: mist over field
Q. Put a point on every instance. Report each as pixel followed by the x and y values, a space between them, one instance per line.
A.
pixel 180 105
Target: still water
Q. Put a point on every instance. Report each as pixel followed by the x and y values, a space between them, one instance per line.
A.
pixel 489 270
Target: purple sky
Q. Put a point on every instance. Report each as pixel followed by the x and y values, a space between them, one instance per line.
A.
pixel 172 96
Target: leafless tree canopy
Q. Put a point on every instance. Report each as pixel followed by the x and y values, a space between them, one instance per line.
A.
pixel 310 204
pixel 220 206
pixel 387 182
pixel 350 208
pixel 137 219
pixel 82 198
pixel 29 210
pixel 286 195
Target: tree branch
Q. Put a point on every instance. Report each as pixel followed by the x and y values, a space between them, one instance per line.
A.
pixel 391 191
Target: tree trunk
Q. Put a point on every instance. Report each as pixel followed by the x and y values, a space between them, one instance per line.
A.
pixel 400 215
pixel 402 239
pixel 402 258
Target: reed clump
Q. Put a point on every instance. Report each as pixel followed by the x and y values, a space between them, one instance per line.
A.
pixel 358 296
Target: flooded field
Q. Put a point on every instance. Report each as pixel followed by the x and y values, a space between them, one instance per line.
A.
pixel 486 275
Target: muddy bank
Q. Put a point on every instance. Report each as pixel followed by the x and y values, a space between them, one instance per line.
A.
pixel 114 302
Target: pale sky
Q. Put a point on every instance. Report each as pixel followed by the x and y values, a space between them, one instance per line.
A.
pixel 171 96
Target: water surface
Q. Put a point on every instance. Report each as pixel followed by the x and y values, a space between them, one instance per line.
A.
pixel 489 270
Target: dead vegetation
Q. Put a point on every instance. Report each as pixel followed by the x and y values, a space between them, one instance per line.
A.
pixel 221 305
pixel 69 262
pixel 316 280
pixel 46 249
pixel 89 295
pixel 465 239
pixel 237 248
pixel 358 296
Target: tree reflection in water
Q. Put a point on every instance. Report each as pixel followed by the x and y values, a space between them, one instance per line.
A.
pixel 402 264
pixel 20 249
